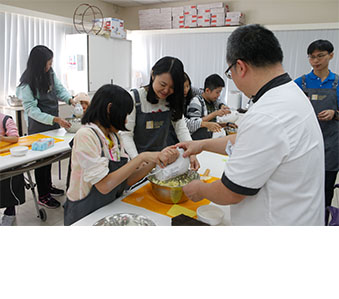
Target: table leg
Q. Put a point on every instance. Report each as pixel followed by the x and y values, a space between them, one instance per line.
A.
pixel 32 187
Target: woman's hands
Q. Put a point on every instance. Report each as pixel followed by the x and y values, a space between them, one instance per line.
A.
pixel 326 115
pixel 62 122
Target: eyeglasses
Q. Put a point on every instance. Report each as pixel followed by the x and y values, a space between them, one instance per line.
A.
pixel 319 56
pixel 228 71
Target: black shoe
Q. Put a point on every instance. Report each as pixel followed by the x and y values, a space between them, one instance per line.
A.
pixel 49 202
pixel 55 191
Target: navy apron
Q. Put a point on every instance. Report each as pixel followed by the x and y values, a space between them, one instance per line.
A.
pixel 201 133
pixel 47 103
pixel 151 129
pixel 326 99
pixel 11 185
pixel 76 210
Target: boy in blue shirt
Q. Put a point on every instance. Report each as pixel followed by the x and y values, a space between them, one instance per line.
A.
pixel 321 87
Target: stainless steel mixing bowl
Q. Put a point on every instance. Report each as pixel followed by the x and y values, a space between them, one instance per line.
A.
pixel 75 124
pixel 171 195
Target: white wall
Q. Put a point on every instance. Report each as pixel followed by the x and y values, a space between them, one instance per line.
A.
pixel 265 12
pixel 64 8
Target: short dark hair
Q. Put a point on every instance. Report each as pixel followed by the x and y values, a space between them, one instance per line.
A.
pixel 320 45
pixel 122 105
pixel 35 74
pixel 255 45
pixel 175 68
pixel 214 81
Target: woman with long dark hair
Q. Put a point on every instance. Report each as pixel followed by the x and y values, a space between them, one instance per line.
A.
pixel 40 90
pixel 100 170
pixel 156 106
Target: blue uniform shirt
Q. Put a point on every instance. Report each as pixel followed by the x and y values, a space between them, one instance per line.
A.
pixel 313 81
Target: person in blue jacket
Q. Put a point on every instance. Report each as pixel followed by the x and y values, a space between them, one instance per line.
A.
pixel 322 89
pixel 40 90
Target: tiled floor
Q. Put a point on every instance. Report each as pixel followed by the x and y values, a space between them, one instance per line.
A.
pixel 27 215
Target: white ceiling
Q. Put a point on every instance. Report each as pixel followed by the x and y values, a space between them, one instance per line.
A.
pixel 140 2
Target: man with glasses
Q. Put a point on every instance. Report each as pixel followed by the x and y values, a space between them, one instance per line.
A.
pixel 275 173
pixel 322 89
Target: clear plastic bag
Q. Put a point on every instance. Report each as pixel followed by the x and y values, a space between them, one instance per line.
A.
pixel 178 167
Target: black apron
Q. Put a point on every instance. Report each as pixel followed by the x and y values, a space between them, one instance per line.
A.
pixel 47 103
pixel 12 185
pixel 76 210
pixel 201 133
pixel 326 99
pixel 151 129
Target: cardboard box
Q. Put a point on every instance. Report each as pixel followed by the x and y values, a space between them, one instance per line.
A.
pixel 204 11
pixel 166 10
pixel 190 7
pixel 178 10
pixel 149 11
pixel 203 22
pixel 217 5
pixel 218 10
pixel 234 14
pixel 203 6
pixel 235 18
pixel 192 11
pixel 117 28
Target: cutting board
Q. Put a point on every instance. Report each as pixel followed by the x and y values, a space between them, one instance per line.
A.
pixel 24 141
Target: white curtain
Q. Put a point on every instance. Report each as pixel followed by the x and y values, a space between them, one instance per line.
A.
pixel 204 53
pixel 20 34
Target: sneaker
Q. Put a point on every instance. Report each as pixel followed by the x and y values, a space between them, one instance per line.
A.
pixel 7 220
pixel 55 191
pixel 49 202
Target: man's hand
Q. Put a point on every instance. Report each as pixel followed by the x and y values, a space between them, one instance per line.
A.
pixel 326 115
pixel 191 147
pixel 192 190
pixel 194 163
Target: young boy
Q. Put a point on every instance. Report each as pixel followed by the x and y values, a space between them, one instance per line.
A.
pixel 12 191
pixel 203 109
pixel 321 87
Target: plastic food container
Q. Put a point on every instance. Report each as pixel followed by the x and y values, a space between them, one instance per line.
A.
pixel 18 151
pixel 210 214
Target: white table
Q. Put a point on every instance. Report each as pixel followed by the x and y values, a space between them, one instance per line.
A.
pixel 11 165
pixel 9 161
pixel 212 161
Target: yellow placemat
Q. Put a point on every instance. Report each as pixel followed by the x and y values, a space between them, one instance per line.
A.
pixel 26 140
pixel 144 198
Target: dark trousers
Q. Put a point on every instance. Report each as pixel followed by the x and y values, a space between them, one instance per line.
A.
pixel 330 178
pixel 43 179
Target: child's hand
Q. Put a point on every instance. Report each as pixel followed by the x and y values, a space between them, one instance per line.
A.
pixel 226 109
pixel 168 155
pixel 211 126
